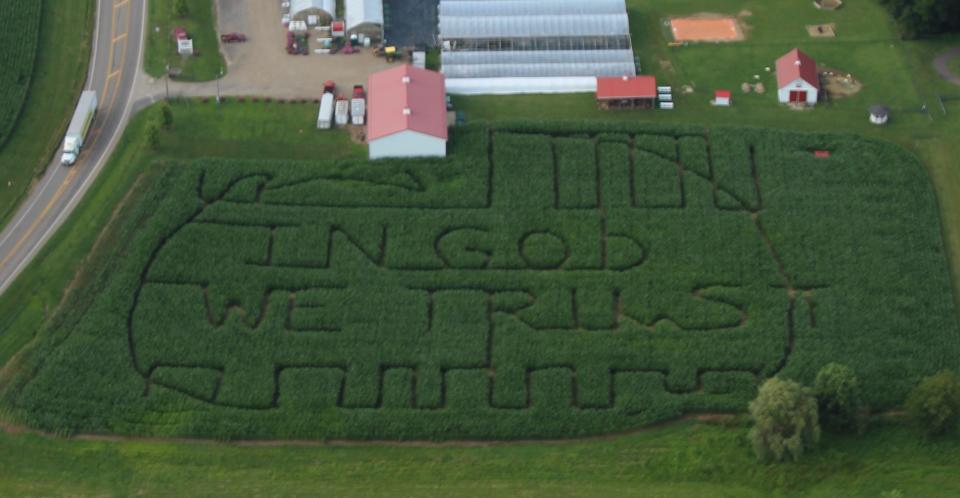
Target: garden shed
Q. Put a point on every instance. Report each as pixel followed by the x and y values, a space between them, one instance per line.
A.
pixel 798 81
pixel 627 92
pixel 533 46
pixel 407 113
pixel 365 17
pixel 321 10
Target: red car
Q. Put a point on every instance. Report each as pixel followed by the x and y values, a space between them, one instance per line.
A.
pixel 233 38
pixel 179 34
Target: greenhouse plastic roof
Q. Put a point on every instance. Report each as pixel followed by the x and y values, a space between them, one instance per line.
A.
pixel 527 26
pixel 364 12
pixel 560 63
pixel 510 86
pixel 469 8
pixel 298 6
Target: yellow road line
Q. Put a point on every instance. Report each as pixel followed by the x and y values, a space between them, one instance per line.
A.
pixel 114 75
pixel 36 222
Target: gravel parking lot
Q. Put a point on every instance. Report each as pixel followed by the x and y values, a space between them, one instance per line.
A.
pixel 261 66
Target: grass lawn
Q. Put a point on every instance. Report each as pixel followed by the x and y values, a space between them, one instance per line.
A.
pixel 231 130
pixel 63 54
pixel 200 24
pixel 685 459
pixel 954 65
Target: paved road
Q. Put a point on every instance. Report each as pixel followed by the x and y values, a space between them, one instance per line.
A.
pixel 115 60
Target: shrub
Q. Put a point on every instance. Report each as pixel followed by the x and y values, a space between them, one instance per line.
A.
pixel 180 8
pixel 934 405
pixel 153 136
pixel 166 115
pixel 840 399
pixel 785 418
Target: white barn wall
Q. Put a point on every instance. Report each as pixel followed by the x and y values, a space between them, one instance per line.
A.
pixel 798 84
pixel 408 143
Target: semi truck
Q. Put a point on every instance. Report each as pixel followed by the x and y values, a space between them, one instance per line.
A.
pixel 325 117
pixel 79 127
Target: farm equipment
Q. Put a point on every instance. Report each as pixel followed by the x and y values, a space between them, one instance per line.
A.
pixel 233 38
pixel 329 86
pixel 389 52
pixel 297 44
pixel 178 34
pixel 79 126
pixel 358 105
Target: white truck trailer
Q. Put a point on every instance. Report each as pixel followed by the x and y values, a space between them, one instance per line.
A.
pixel 325 118
pixel 79 127
pixel 342 112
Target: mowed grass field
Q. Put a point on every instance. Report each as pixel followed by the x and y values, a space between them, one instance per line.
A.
pixel 58 74
pixel 200 24
pixel 682 460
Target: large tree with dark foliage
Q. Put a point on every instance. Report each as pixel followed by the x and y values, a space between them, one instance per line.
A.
pixel 918 18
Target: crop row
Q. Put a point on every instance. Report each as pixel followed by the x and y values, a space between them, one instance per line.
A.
pixel 18 50
pixel 546 280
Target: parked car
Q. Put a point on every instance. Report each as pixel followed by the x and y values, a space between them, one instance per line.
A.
pixel 233 38
pixel 179 33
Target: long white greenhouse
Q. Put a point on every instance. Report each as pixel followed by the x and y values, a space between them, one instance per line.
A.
pixel 533 46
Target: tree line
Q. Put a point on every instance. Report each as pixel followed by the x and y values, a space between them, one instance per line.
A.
pixel 919 18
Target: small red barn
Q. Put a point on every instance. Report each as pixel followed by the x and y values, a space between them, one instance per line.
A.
pixel 626 92
pixel 798 81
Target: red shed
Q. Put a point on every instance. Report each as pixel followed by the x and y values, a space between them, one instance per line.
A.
pixel 626 92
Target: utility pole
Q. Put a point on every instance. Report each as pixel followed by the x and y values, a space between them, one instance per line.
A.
pixel 218 85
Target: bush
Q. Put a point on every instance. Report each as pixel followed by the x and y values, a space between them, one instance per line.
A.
pixel 840 400
pixel 180 8
pixel 785 418
pixel 166 116
pixel 934 405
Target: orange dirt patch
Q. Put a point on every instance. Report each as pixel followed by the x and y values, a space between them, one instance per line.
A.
pixel 702 27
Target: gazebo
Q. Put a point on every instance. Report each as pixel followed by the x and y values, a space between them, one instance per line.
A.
pixel 879 114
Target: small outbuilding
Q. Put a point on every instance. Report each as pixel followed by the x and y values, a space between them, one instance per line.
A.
pixel 798 81
pixel 365 17
pixel 406 113
pixel 879 114
pixel 626 92
pixel 721 98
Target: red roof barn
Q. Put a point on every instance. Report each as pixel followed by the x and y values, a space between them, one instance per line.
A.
pixel 798 80
pixel 407 113
pixel 626 91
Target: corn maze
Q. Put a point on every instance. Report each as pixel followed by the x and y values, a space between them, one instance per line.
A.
pixel 545 281
pixel 18 47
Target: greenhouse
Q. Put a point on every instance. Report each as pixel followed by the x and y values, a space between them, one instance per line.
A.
pixel 365 16
pixel 323 10
pixel 536 40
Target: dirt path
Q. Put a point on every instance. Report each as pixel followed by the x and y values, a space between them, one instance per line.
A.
pixel 941 64
pixel 716 418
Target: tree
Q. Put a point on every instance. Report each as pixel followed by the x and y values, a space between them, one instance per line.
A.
pixel 181 8
pixel 839 399
pixel 919 18
pixel 166 116
pixel 934 404
pixel 785 420
pixel 153 136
